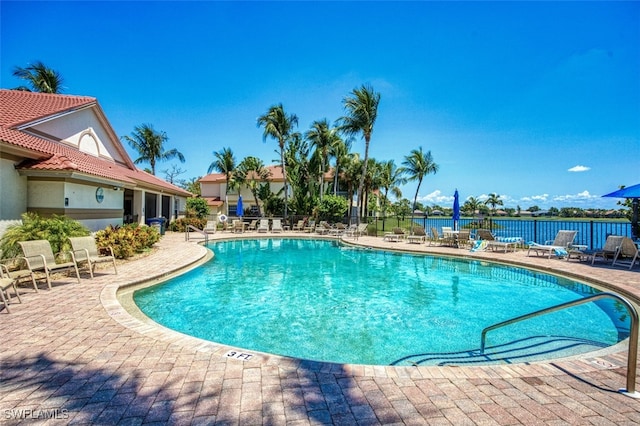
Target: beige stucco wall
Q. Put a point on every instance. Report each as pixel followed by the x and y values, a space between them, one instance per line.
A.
pixel 13 191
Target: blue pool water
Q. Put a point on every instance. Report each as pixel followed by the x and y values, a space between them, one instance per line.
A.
pixel 318 300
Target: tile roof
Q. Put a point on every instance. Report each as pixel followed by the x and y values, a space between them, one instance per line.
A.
pixel 18 108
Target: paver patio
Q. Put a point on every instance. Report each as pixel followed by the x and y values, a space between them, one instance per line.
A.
pixel 74 355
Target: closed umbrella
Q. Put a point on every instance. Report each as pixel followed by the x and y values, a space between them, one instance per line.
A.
pixel 632 192
pixel 456 210
pixel 239 208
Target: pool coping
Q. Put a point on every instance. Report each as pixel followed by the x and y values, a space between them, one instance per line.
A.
pixel 109 297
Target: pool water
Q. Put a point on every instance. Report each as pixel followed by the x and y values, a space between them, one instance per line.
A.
pixel 318 300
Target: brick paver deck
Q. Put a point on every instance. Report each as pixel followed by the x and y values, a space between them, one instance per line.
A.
pixel 75 355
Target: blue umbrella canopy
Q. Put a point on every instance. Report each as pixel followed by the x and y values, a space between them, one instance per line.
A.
pixel 628 192
pixel 456 209
pixel 239 207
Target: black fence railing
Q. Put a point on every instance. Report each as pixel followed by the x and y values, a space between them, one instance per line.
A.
pixel 591 233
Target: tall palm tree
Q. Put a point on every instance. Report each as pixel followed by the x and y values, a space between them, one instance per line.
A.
pixel 40 78
pixel 150 145
pixel 340 153
pixel 324 139
pixel 279 125
pixel 225 163
pixel 471 205
pixel 362 110
pixel 251 172
pixel 391 177
pixel 417 165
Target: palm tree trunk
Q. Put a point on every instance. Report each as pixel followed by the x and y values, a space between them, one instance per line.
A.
pixel 284 176
pixel 364 172
pixel 413 208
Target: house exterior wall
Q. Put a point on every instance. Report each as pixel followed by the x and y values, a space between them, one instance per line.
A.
pixel 77 201
pixel 13 190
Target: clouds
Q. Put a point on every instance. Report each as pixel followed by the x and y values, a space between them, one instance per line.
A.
pixel 579 169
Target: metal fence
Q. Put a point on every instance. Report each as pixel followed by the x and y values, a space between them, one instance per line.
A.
pixel 590 233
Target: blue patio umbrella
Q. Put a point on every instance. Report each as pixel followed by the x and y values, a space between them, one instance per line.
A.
pixel 632 192
pixel 239 207
pixel 456 210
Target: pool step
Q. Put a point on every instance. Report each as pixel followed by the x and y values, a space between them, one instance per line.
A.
pixel 531 349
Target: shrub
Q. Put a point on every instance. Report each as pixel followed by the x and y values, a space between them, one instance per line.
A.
pixel 197 207
pixel 332 208
pixel 127 240
pixel 180 225
pixel 56 230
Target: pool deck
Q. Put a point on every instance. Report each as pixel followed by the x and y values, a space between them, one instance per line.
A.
pixel 74 355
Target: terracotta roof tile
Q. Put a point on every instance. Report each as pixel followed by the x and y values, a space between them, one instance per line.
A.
pixel 19 107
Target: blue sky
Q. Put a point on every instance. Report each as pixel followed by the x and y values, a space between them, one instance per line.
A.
pixel 538 102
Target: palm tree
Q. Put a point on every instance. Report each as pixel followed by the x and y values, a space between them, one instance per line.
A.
pixel 362 111
pixel 251 172
pixel 471 205
pixel 391 177
pixel 279 125
pixel 225 163
pixel 149 144
pixel 493 201
pixel 324 139
pixel 41 78
pixel 417 165
pixel 340 152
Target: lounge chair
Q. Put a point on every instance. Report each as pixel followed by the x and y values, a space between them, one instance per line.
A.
pixel 493 243
pixel 418 235
pixel 39 257
pixel 238 226
pixel 628 250
pixel 559 246
pixel 252 226
pixel 323 227
pixel 607 252
pixel 339 229
pixel 210 227
pixel 298 226
pixel 276 225
pixel 311 226
pixel 264 225
pixel 6 283
pixel 399 232
pixel 85 250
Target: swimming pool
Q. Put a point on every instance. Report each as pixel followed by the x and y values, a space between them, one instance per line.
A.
pixel 318 300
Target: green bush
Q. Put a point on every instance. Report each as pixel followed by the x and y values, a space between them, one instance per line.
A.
pixel 197 207
pixel 332 208
pixel 180 225
pixel 127 240
pixel 56 230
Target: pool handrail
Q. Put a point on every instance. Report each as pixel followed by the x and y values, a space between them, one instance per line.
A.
pixel 632 355
pixel 199 231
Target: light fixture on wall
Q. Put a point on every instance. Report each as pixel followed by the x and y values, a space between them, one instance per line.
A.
pixel 116 188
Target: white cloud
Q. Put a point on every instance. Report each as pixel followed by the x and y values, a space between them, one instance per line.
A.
pixel 436 197
pixel 581 196
pixel 579 169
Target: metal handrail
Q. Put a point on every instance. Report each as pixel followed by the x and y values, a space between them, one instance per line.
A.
pixel 200 231
pixel 632 355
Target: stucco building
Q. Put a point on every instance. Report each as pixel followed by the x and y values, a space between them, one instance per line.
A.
pixel 60 155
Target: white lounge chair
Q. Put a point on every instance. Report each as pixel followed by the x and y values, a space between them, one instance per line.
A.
pixel 493 243
pixel 263 226
pixel 607 252
pixel 276 225
pixel 210 227
pixel 559 246
pixel 417 236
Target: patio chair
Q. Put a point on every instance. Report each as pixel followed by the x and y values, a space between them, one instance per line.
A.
pixel 253 225
pixel 463 238
pixel 264 225
pixel 210 227
pixel 493 243
pixel 435 237
pixel 628 250
pixel 238 226
pixel 417 236
pixel 298 226
pixel 85 250
pixel 15 268
pixel 559 246
pixel 39 256
pixel 607 252
pixel 323 227
pixel 276 225
pixel 399 232
pixel 311 226
pixel 6 283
